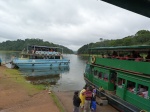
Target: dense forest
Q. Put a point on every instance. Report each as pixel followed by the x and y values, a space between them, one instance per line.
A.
pixel 19 45
pixel 142 37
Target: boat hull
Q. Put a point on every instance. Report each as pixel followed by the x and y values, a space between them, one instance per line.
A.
pixel 40 63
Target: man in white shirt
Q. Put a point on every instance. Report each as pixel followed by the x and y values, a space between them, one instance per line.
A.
pixel 145 94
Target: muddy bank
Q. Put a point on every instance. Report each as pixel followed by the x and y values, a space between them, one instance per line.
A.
pixel 18 96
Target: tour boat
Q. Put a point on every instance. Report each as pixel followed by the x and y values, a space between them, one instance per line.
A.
pixel 39 57
pixel 123 73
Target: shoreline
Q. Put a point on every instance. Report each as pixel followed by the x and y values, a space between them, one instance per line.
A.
pixel 16 95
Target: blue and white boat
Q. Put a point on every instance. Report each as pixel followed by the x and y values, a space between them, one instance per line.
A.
pixel 39 57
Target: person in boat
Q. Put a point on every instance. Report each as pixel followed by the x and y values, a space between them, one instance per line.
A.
pixel 131 88
pixel 82 97
pixel 114 54
pixel 134 54
pixel 140 89
pixel 102 55
pixel 88 96
pixel 148 56
pixel 76 101
pixel 144 94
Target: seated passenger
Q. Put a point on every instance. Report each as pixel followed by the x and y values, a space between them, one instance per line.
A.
pixel 102 55
pixel 131 89
pixel 114 54
pixel 139 58
pixel 148 56
pixel 106 79
pixel 108 56
pixel 127 57
pixel 134 54
pixel 100 75
pixel 141 89
pixel 145 94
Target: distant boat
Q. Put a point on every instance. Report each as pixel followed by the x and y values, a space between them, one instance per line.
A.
pixel 39 57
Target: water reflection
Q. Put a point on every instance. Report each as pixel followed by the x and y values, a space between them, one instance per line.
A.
pixel 44 76
pixel 45 80
pixel 42 72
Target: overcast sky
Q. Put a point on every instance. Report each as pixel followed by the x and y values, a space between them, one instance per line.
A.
pixel 71 23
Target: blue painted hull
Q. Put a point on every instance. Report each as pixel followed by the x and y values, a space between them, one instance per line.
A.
pixel 40 63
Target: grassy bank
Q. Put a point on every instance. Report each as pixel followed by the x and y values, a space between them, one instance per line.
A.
pixel 57 102
pixel 17 78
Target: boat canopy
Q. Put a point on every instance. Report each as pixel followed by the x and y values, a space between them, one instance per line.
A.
pixel 124 48
pixel 36 46
pixel 44 48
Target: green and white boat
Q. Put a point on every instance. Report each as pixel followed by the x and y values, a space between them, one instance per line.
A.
pixel 124 74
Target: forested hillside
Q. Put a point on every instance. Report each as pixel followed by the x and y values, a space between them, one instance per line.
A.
pixel 19 45
pixel 142 37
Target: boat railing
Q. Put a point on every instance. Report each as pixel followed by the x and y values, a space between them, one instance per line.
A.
pixel 126 58
pixel 47 53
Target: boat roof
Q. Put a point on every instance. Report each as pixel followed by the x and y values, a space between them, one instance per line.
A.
pixel 36 46
pixel 126 48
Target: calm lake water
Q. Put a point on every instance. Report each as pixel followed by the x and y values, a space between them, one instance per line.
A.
pixel 61 79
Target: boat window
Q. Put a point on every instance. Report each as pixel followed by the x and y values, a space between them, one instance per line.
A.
pixel 121 82
pixel 57 57
pixel 143 91
pixel 100 75
pixel 95 73
pixel 113 76
pixel 88 69
pixel 131 86
pixel 51 57
pixel 148 56
pixel 106 77
pixel 114 54
pixel 126 55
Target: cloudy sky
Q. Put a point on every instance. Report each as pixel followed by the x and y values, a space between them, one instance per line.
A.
pixel 71 23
